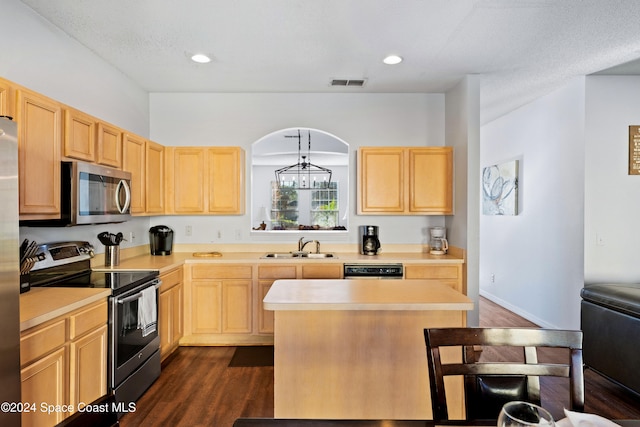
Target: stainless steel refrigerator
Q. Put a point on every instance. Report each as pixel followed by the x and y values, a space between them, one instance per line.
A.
pixel 9 275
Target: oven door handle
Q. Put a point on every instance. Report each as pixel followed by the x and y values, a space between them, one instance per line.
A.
pixel 131 298
pixel 136 296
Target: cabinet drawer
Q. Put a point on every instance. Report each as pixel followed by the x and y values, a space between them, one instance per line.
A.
pixel 40 342
pixel 86 320
pixel 322 271
pixel 171 279
pixel 221 272
pixel 431 271
pixel 277 272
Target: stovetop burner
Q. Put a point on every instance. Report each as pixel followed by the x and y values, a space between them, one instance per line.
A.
pixel 67 264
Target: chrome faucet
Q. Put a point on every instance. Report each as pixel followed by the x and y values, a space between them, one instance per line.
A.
pixel 302 243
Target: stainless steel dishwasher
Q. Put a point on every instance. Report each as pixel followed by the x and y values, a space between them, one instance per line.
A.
pixel 373 271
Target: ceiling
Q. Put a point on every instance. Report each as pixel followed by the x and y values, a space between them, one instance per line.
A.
pixel 521 49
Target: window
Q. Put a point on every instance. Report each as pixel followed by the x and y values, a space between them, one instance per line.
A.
pixel 324 206
pixel 322 202
pixel 284 207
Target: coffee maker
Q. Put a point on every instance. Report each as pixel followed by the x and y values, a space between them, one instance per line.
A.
pixel 368 240
pixel 160 240
pixel 438 244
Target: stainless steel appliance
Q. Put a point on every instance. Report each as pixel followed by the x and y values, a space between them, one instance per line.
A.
pixel 91 194
pixel 373 271
pixel 134 344
pixel 9 274
pixel 160 240
pixel 368 240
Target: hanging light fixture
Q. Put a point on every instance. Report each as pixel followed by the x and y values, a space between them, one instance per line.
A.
pixel 304 175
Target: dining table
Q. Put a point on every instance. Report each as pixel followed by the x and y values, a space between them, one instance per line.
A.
pixel 308 422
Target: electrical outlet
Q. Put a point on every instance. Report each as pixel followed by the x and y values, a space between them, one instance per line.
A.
pixel 238 234
pixel 132 236
pixel 493 278
pixel 188 230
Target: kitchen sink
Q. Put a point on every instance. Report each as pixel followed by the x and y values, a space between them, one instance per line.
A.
pixel 274 255
pixel 320 255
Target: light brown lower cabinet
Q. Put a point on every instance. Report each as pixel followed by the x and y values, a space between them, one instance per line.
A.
pixel 63 362
pixel 219 301
pixel 267 274
pixel 170 318
pixel 449 274
pixel 43 381
pixel 223 302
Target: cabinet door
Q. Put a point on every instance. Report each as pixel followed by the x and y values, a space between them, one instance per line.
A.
pixel 449 274
pixel 189 167
pixel 79 135
pixel 109 145
pixel 207 306
pixel 177 320
pixel 322 271
pixel 45 381
pixel 431 180
pixel 236 306
pixel 39 140
pixel 133 160
pixel 226 180
pixel 381 180
pixel 165 321
pixel 88 367
pixel 6 99
pixel 265 317
pixel 154 179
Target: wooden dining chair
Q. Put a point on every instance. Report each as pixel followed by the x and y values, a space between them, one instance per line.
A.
pixel 489 385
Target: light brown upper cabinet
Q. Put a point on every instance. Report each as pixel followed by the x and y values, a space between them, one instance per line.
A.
pixel 431 180
pixel 205 180
pixel 405 181
pixel 6 99
pixel 39 150
pixel 154 184
pixel 226 180
pixel 109 148
pixel 79 135
pixel 133 160
pixel 145 160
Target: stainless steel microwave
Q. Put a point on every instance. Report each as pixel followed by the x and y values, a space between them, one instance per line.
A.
pixel 91 194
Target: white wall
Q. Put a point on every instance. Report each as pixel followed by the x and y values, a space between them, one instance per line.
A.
pixel 536 257
pixel 39 56
pixel 462 133
pixel 240 119
pixel 42 58
pixel 612 197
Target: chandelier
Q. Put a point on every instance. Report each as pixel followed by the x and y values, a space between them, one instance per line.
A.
pixel 304 175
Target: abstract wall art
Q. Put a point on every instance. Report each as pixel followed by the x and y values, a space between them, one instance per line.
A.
pixel 500 189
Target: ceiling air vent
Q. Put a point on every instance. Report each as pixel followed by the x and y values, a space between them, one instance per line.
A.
pixel 348 82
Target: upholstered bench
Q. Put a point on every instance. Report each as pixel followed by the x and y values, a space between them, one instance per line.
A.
pixel 610 317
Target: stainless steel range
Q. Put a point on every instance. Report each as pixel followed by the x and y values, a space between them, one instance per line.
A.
pixel 134 344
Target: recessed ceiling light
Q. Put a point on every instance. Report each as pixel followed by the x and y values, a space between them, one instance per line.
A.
pixel 200 58
pixel 392 60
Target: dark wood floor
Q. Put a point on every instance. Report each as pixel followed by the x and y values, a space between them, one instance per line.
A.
pixel 197 388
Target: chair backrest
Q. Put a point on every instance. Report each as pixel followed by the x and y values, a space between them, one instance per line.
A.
pixel 489 385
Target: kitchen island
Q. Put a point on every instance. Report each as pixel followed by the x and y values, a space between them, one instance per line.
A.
pixel 354 349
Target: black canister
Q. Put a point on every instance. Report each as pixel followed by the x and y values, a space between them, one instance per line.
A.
pixel 160 240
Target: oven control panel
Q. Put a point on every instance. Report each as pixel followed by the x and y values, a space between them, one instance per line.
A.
pixel 61 253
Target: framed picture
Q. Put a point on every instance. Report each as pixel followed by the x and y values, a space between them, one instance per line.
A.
pixel 500 189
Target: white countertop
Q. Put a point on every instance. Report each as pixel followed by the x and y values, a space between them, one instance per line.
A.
pixel 365 294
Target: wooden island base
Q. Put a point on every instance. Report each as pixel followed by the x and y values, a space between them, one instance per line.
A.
pixel 364 360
